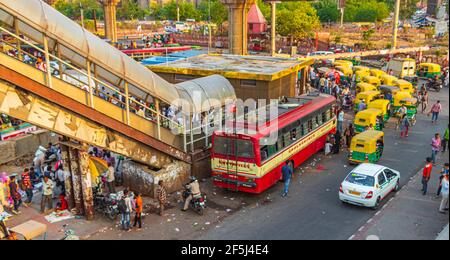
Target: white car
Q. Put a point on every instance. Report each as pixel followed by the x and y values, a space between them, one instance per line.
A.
pixel 368 184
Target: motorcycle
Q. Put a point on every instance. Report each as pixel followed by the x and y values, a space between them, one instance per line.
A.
pixel 107 205
pixel 198 204
pixel 435 85
pixel 347 103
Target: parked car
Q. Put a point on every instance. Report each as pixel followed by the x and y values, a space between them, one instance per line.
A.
pixel 368 184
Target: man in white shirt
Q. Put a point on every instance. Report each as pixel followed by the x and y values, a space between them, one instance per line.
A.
pixel 47 192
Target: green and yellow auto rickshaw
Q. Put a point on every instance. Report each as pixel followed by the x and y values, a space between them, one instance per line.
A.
pixel 428 70
pixel 388 80
pixel 371 117
pixel 364 87
pixel 360 74
pixel 367 96
pixel 384 105
pixel 372 80
pixel 405 86
pixel 366 147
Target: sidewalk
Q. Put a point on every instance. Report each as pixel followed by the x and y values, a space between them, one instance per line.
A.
pixel 409 215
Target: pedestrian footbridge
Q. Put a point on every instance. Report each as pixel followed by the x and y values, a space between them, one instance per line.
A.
pixel 58 76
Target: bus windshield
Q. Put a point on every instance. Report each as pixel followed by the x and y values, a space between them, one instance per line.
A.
pixel 226 147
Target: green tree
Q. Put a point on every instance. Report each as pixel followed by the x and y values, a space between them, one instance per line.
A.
pixel 187 11
pixel 297 19
pixel 327 10
pixel 72 9
pixel 219 12
pixel 366 11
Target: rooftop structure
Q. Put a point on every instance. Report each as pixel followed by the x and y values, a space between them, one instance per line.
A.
pixel 258 77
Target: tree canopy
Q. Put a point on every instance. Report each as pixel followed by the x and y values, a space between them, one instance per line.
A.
pixel 72 9
pixel 219 12
pixel 297 19
pixel 355 10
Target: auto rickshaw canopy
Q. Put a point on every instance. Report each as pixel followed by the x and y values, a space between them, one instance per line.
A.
pixel 361 68
pixel 343 63
pixel 366 142
pixel 401 95
pixel 368 117
pixel 377 73
pixel 404 85
pixel 348 72
pixel 388 79
pixel 359 74
pixel 372 80
pixel 381 104
pixel 367 96
pixel 364 87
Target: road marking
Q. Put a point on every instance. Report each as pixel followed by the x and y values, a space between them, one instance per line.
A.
pixel 351 238
pixel 378 213
pixel 361 229
pixel 372 237
pixel 370 220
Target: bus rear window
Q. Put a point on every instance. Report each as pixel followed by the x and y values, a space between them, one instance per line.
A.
pixel 233 147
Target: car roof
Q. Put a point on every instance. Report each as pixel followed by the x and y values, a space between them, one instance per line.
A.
pixel 368 169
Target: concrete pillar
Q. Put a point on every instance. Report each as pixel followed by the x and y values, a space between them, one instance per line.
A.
pixel 86 185
pixel 109 7
pixel 273 34
pixel 395 25
pixel 76 181
pixel 238 25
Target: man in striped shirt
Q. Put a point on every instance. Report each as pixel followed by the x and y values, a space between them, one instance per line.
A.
pixel 27 186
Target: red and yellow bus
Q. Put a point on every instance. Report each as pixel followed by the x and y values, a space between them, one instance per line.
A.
pixel 252 162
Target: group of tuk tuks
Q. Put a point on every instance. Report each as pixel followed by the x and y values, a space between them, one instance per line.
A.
pixel 383 95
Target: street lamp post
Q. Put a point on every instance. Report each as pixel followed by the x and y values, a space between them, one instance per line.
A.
pixel 82 15
pixel 396 19
pixel 209 26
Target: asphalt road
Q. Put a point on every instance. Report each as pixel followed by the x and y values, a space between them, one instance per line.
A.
pixel 313 210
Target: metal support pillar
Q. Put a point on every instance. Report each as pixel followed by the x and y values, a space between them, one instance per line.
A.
pixel 76 180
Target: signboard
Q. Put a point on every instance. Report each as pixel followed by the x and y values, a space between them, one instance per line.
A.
pixel 341 4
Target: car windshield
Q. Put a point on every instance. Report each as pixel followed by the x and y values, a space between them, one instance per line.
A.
pixel 360 179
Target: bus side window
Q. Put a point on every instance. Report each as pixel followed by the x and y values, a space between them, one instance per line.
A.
pixel 305 128
pixel 320 119
pixel 310 125
pixel 315 122
pixel 324 117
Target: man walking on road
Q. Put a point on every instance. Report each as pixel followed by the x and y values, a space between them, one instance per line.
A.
pixel 444 171
pixel 435 110
pixel 435 146
pixel 426 174
pixel 287 175
pixel 445 190
pixel 27 186
pixel 340 121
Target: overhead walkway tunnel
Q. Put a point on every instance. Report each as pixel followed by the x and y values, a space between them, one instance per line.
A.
pixel 59 76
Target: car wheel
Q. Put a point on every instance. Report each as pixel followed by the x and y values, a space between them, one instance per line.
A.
pixel 377 204
pixel 397 186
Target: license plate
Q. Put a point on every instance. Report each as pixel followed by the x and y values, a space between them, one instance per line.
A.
pixel 354 193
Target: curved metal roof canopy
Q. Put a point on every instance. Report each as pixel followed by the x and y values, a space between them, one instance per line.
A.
pixel 79 45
